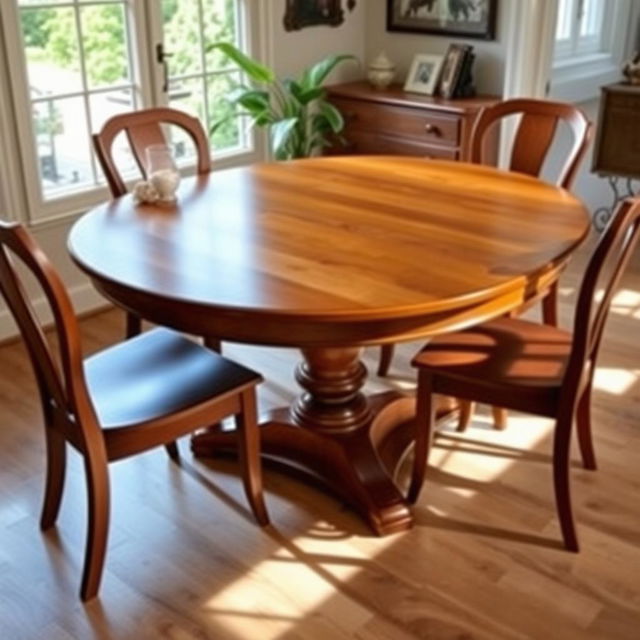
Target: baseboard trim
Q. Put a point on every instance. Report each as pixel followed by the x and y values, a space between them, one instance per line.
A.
pixel 84 297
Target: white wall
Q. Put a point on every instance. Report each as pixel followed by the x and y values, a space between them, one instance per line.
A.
pixel 291 51
pixel 401 47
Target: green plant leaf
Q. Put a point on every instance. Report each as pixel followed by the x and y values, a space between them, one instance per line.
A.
pixel 293 88
pixel 316 75
pixel 264 118
pixel 310 95
pixel 256 71
pixel 254 100
pixel 281 135
pixel 333 116
pixel 232 116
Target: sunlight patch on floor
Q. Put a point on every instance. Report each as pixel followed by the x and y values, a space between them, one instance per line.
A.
pixel 625 302
pixel 483 453
pixel 313 565
pixel 566 292
pixel 615 381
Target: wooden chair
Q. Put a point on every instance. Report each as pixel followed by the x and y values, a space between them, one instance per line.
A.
pixel 143 129
pixel 142 393
pixel 534 137
pixel 530 367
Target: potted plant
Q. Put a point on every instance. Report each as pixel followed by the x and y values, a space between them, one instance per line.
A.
pixel 296 112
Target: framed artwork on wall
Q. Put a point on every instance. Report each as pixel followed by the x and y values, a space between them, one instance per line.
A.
pixel 307 13
pixel 466 18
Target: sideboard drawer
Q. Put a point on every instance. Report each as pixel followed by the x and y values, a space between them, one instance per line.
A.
pixel 393 121
pixel 421 125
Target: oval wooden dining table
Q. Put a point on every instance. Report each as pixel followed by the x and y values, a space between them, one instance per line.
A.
pixel 329 255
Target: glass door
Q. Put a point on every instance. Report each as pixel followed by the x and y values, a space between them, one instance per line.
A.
pixel 189 77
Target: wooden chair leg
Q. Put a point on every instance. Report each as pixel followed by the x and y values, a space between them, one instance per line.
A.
pixel 54 483
pixel 550 306
pixel 134 325
pixel 98 525
pixel 249 450
pixel 583 420
pixel 173 451
pixel 424 427
pixel 386 356
pixel 212 343
pixel 561 482
pixel 500 417
pixel 466 413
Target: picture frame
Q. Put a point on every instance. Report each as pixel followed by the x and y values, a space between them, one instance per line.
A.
pixel 308 13
pixel 424 74
pixel 454 61
pixel 465 18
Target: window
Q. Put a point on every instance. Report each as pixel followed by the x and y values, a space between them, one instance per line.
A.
pixel 589 46
pixel 75 63
pixel 580 27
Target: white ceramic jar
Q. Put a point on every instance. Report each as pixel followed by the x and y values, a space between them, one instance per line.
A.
pixel 381 71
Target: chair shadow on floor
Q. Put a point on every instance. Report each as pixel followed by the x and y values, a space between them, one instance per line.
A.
pixel 423 517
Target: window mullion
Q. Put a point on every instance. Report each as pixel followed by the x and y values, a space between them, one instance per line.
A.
pixel 85 88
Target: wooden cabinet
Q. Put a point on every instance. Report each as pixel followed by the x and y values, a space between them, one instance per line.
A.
pixel 391 121
pixel 617 150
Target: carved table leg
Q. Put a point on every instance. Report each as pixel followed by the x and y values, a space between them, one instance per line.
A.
pixel 332 433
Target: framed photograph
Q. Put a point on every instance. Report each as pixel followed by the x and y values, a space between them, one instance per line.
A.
pixel 454 61
pixel 466 18
pixel 307 13
pixel 424 74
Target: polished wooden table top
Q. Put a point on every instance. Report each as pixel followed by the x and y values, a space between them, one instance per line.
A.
pixel 328 255
pixel 351 249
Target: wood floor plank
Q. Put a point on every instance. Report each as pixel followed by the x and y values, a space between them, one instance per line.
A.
pixel 186 561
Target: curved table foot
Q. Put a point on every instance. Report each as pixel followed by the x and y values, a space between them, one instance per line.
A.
pixel 357 465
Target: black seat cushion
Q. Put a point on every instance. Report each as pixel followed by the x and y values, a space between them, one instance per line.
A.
pixel 158 373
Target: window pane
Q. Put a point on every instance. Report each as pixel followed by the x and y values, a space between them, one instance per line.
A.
pixel 103 106
pixel 591 21
pixel 181 24
pixel 227 135
pixel 221 25
pixel 62 144
pixel 186 95
pixel 104 44
pixel 26 3
pixel 566 13
pixel 52 51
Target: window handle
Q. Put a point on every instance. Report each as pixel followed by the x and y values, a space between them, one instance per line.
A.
pixel 161 58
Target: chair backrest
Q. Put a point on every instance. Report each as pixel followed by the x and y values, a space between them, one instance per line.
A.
pixel 535 134
pixel 60 376
pixel 603 273
pixel 143 129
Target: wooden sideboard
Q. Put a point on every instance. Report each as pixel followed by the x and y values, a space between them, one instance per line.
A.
pixel 617 149
pixel 392 121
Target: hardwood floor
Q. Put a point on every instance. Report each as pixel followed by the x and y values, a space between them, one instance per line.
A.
pixel 484 560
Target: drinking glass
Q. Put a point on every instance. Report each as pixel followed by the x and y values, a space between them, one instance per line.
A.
pixel 162 171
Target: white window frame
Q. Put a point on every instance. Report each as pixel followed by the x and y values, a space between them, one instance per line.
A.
pixel 582 65
pixel 17 112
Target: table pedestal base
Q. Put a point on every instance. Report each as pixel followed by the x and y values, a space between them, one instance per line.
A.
pixel 358 464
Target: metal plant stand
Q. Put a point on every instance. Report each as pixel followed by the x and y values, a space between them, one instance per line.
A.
pixel 622 188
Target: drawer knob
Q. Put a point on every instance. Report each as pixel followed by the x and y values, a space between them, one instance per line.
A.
pixel 432 129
